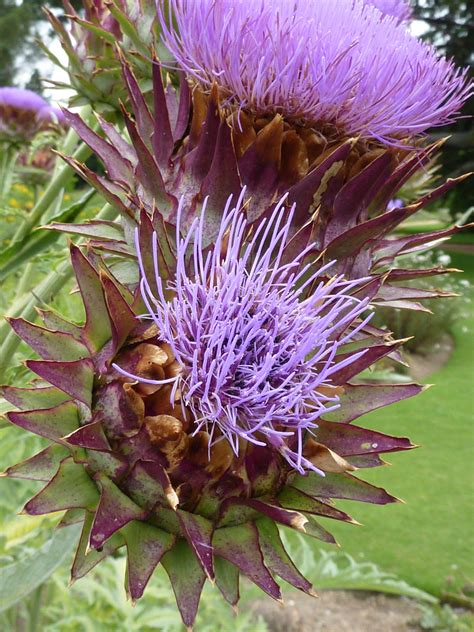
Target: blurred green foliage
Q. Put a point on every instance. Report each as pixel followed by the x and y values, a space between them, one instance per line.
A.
pixel 20 22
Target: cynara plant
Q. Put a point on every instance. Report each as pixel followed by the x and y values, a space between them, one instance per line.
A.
pixel 208 396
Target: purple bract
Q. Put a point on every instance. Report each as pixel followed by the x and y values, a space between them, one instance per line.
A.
pixel 317 62
pixel 256 347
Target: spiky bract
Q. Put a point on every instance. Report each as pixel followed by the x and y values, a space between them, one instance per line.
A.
pixel 321 62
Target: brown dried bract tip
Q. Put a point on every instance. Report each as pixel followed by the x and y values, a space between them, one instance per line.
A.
pixel 167 434
pixel 151 362
pixel 221 459
pixel 325 459
pixel 217 461
pixel 135 401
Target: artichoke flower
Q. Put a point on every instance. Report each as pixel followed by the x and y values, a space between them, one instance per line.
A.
pixel 23 114
pixel 191 417
pixel 369 78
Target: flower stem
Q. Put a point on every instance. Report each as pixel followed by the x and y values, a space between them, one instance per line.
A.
pixel 7 166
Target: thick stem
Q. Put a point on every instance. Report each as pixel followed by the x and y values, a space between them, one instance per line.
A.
pixel 8 159
pixel 35 609
pixel 23 283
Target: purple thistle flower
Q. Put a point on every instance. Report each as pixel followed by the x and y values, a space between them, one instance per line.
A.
pixel 256 347
pixel 317 62
pixel 399 9
pixel 21 114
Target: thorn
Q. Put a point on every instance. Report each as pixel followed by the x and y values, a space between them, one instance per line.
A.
pixel 355 522
pixel 235 609
pixel 172 498
pixel 71 582
pixel 400 341
pixel 312 593
pixel 298 523
pixel 399 500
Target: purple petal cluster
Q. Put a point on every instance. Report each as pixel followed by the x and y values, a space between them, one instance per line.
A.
pixel 22 99
pixel 256 336
pixel 319 62
pixel 399 9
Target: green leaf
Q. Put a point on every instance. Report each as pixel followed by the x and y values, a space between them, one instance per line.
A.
pixel 5 407
pixel 339 571
pixel 20 579
pixel 29 246
pixel 95 30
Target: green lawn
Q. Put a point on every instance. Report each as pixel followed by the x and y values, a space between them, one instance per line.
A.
pixel 430 537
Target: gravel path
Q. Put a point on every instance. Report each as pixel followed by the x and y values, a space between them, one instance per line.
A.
pixel 340 611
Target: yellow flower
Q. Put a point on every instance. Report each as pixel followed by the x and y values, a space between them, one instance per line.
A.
pixel 20 187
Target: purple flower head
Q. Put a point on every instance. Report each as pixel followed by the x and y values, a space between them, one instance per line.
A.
pixel 399 9
pixel 256 347
pixel 317 62
pixel 22 99
pixel 21 114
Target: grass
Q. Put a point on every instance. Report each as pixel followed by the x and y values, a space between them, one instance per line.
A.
pixel 431 537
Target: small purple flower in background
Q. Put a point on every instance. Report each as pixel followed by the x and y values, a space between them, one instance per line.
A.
pixel 257 350
pixel 399 9
pixel 22 114
pixel 320 63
